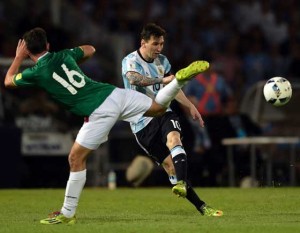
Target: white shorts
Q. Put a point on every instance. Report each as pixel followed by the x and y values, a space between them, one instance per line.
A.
pixel 121 104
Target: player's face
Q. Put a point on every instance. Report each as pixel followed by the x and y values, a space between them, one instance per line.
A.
pixel 153 47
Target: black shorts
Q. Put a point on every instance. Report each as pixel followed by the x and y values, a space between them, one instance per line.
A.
pixel 153 137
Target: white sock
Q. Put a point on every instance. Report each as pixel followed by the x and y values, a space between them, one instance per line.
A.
pixel 173 179
pixel 168 93
pixel 74 187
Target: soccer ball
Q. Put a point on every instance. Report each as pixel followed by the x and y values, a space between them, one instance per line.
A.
pixel 278 91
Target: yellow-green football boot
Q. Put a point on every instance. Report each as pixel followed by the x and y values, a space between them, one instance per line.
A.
pixel 192 70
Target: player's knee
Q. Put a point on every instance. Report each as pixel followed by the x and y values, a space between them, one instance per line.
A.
pixel 173 139
pixel 72 160
pixel 155 110
pixel 75 161
pixel 159 111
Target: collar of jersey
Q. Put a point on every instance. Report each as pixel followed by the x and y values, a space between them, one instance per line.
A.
pixel 139 53
pixel 42 56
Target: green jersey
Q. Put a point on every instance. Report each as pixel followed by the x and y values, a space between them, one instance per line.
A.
pixel 60 76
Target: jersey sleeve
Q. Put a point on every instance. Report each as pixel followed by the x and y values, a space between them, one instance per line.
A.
pixel 167 66
pixel 130 64
pixel 76 53
pixel 24 79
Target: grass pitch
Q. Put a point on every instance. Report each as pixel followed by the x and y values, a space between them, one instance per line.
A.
pixel 155 210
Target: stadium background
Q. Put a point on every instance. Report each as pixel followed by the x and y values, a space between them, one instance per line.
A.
pixel 263 35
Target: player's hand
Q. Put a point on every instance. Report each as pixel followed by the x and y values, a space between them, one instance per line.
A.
pixel 196 115
pixel 22 51
pixel 168 79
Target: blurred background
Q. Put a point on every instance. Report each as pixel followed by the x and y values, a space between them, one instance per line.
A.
pixel 246 41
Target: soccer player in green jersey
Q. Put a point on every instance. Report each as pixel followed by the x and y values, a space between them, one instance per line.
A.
pixel 101 104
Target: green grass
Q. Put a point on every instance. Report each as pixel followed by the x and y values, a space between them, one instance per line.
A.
pixel 263 210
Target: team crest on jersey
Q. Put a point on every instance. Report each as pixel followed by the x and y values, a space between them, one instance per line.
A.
pixel 160 71
pixel 132 66
pixel 19 76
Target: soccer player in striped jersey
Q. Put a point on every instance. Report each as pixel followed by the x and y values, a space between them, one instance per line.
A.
pixel 148 71
pixel 101 104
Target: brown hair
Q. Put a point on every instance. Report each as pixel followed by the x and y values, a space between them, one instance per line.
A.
pixel 36 40
pixel 152 29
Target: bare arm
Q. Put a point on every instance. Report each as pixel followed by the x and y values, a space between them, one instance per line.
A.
pixel 140 80
pixel 21 54
pixel 183 100
pixel 88 51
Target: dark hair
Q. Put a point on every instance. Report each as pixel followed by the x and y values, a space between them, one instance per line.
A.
pixel 36 40
pixel 152 29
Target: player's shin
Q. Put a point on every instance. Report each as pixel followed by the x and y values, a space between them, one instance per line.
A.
pixel 194 198
pixel 74 188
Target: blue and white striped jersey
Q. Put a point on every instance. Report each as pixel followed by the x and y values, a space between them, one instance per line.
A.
pixel 156 69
